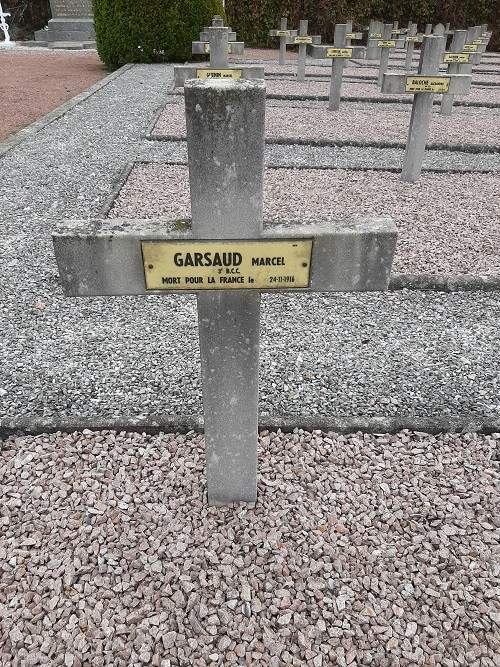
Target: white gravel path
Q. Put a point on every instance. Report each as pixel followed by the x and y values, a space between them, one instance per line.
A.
pixel 361 550
pixel 447 223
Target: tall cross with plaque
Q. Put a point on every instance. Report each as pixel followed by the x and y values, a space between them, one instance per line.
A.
pixel 339 53
pixel 227 257
pixel 423 86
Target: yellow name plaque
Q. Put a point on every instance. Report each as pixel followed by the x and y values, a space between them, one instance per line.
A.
pixel 427 84
pixel 456 58
pixel 282 33
pixel 197 265
pixel 469 48
pixel 386 43
pixel 338 53
pixel 375 35
pixel 303 40
pixel 479 42
pixel 219 73
pixel 351 35
pixel 207 47
pixel 411 38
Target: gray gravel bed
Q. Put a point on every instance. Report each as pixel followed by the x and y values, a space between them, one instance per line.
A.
pixel 463 238
pixel 477 95
pixel 378 126
pixel 360 550
pixel 435 354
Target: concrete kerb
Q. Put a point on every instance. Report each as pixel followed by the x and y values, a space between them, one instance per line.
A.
pixel 186 423
pixel 377 100
pixel 474 149
pixel 30 130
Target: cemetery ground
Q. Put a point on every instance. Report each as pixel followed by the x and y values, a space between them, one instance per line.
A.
pixel 375 536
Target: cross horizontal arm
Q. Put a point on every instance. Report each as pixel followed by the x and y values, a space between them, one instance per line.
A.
pixel 202 48
pixel 324 51
pixel 453 84
pixel 104 257
pixel 205 35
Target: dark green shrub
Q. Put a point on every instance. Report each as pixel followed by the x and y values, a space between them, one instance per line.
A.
pixel 149 31
pixel 252 19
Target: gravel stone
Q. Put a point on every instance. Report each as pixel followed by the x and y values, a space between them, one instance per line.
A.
pixel 379 521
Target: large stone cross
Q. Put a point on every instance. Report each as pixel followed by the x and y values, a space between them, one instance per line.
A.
pixel 227 257
pixel 218 45
pixel 423 86
pixel 339 53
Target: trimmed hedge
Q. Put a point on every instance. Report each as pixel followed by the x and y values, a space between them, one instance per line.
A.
pixel 252 19
pixel 149 31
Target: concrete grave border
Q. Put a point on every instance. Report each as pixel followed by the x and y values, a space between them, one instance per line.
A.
pixel 436 146
pixel 156 424
pixel 399 281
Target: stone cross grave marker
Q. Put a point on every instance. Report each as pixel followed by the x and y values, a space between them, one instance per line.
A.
pixel 339 53
pixel 411 39
pixel 227 257
pixel 385 45
pixel 456 60
pixel 350 35
pixel 302 39
pixel 375 33
pixel 286 37
pixel 423 86
pixel 399 34
pixel 428 29
pixel 4 26
pixel 218 46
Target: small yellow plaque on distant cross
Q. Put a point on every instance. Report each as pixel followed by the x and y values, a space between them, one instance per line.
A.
pixel 375 35
pixel 412 38
pixel 456 58
pixel 338 53
pixel 386 43
pixel 479 42
pixel 427 84
pixel 219 74
pixel 197 265
pixel 282 33
pixel 469 48
pixel 303 40
pixel 207 47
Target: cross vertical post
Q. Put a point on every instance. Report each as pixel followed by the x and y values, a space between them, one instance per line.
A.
pixel 411 39
pixel 227 203
pixel 457 46
pixel 302 40
pixel 385 44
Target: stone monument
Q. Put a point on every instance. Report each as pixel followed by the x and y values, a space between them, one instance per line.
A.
pixel 71 22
